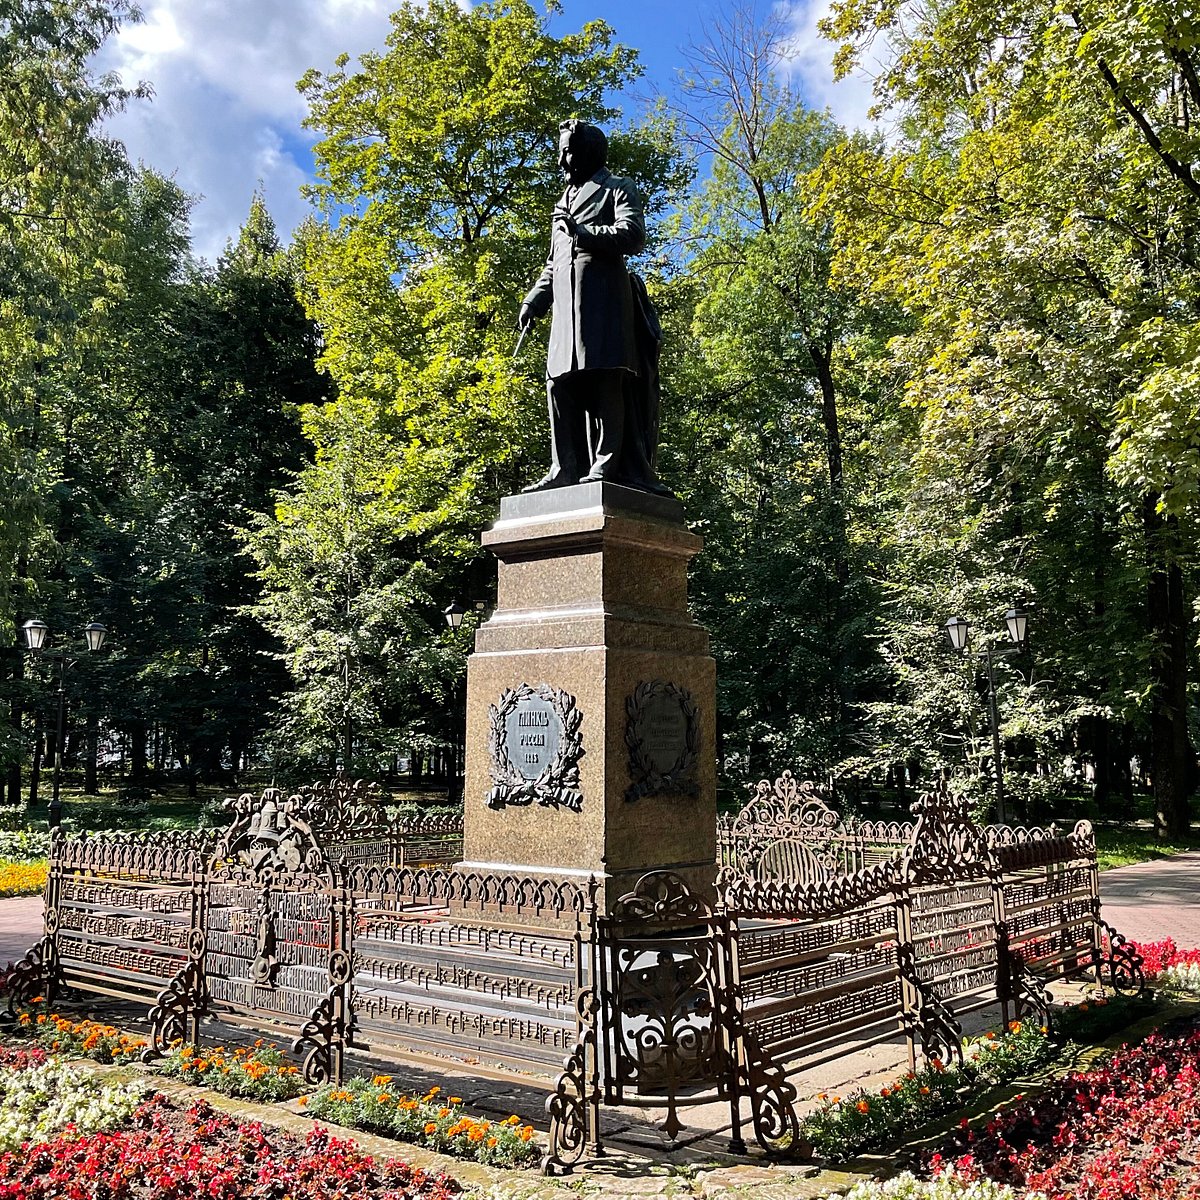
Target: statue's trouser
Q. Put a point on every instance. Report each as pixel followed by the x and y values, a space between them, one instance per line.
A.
pixel 587 424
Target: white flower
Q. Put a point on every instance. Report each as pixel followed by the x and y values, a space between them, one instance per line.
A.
pixel 39 1101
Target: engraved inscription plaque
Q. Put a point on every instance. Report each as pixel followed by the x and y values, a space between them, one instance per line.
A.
pixel 663 736
pixel 664 731
pixel 535 742
pixel 534 733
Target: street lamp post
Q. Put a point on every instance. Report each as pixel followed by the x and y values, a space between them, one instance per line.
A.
pixel 958 629
pixel 34 634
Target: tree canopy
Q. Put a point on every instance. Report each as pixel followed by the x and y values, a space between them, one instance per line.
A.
pixel 942 369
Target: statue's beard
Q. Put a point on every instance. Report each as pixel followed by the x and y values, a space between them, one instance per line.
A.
pixel 580 174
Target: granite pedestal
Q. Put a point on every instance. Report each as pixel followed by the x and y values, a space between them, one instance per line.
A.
pixel 591 695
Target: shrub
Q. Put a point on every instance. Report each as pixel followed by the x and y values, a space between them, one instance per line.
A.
pixel 24 845
pixel 369 1104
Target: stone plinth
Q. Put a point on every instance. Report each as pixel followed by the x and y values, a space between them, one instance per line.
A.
pixel 591 648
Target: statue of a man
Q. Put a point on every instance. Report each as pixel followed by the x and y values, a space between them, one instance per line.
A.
pixel 602 366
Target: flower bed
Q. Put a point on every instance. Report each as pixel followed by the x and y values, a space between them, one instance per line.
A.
pixel 22 878
pixel 37 1099
pixel 1169 967
pixel 173 1154
pixel 371 1105
pixel 82 1039
pixel 845 1126
pixel 942 1185
pixel 1129 1128
pixel 259 1072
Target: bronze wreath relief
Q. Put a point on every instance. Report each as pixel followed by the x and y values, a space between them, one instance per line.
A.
pixel 535 744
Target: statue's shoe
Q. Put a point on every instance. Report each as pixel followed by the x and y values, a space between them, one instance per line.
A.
pixel 654 486
pixel 550 481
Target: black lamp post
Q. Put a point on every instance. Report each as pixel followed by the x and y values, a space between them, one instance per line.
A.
pixel 34 634
pixel 958 629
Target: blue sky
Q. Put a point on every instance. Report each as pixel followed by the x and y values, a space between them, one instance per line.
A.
pixel 226 117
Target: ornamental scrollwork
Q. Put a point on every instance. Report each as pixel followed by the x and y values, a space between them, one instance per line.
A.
pixel 568 1107
pixel 788 833
pixel 270 842
pixel 938 1028
pixel 322 1036
pixel 663 898
pixel 647 774
pixel 177 1011
pixel 772 1103
pixel 557 784
pixel 1027 992
pixel 946 843
pixel 36 974
pixel 1122 963
pixel 343 808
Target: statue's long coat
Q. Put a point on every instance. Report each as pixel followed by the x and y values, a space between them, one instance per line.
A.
pixel 585 284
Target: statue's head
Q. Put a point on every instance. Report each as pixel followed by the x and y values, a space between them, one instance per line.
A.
pixel 582 150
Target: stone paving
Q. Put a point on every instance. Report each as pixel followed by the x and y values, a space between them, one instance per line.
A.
pixel 1145 902
pixel 1153 900
pixel 20 926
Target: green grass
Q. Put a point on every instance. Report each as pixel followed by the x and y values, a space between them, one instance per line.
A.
pixel 1124 847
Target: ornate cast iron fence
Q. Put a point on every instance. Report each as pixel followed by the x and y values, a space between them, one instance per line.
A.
pixel 284 920
pixel 307 913
pixel 942 917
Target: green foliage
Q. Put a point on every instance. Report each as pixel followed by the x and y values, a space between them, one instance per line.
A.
pixel 774 431
pixel 435 165
pixel 259 1072
pixel 1032 219
pixel 844 1126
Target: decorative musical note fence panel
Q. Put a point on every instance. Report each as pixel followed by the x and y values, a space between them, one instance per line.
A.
pixel 468 965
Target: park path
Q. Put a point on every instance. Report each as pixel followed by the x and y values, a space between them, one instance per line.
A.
pixel 1154 900
pixel 20 926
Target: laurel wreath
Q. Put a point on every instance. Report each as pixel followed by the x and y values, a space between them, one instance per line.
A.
pixel 558 784
pixel 646 778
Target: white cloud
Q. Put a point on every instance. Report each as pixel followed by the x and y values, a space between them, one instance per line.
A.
pixel 809 66
pixel 226 114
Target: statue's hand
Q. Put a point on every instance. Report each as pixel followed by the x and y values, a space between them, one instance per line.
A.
pixel 524 318
pixel 568 222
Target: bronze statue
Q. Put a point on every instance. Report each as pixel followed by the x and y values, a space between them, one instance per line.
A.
pixel 602 366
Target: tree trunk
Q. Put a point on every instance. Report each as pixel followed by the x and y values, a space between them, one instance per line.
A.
pixel 91 753
pixel 138 739
pixel 822 360
pixel 35 767
pixel 1172 757
pixel 16 716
